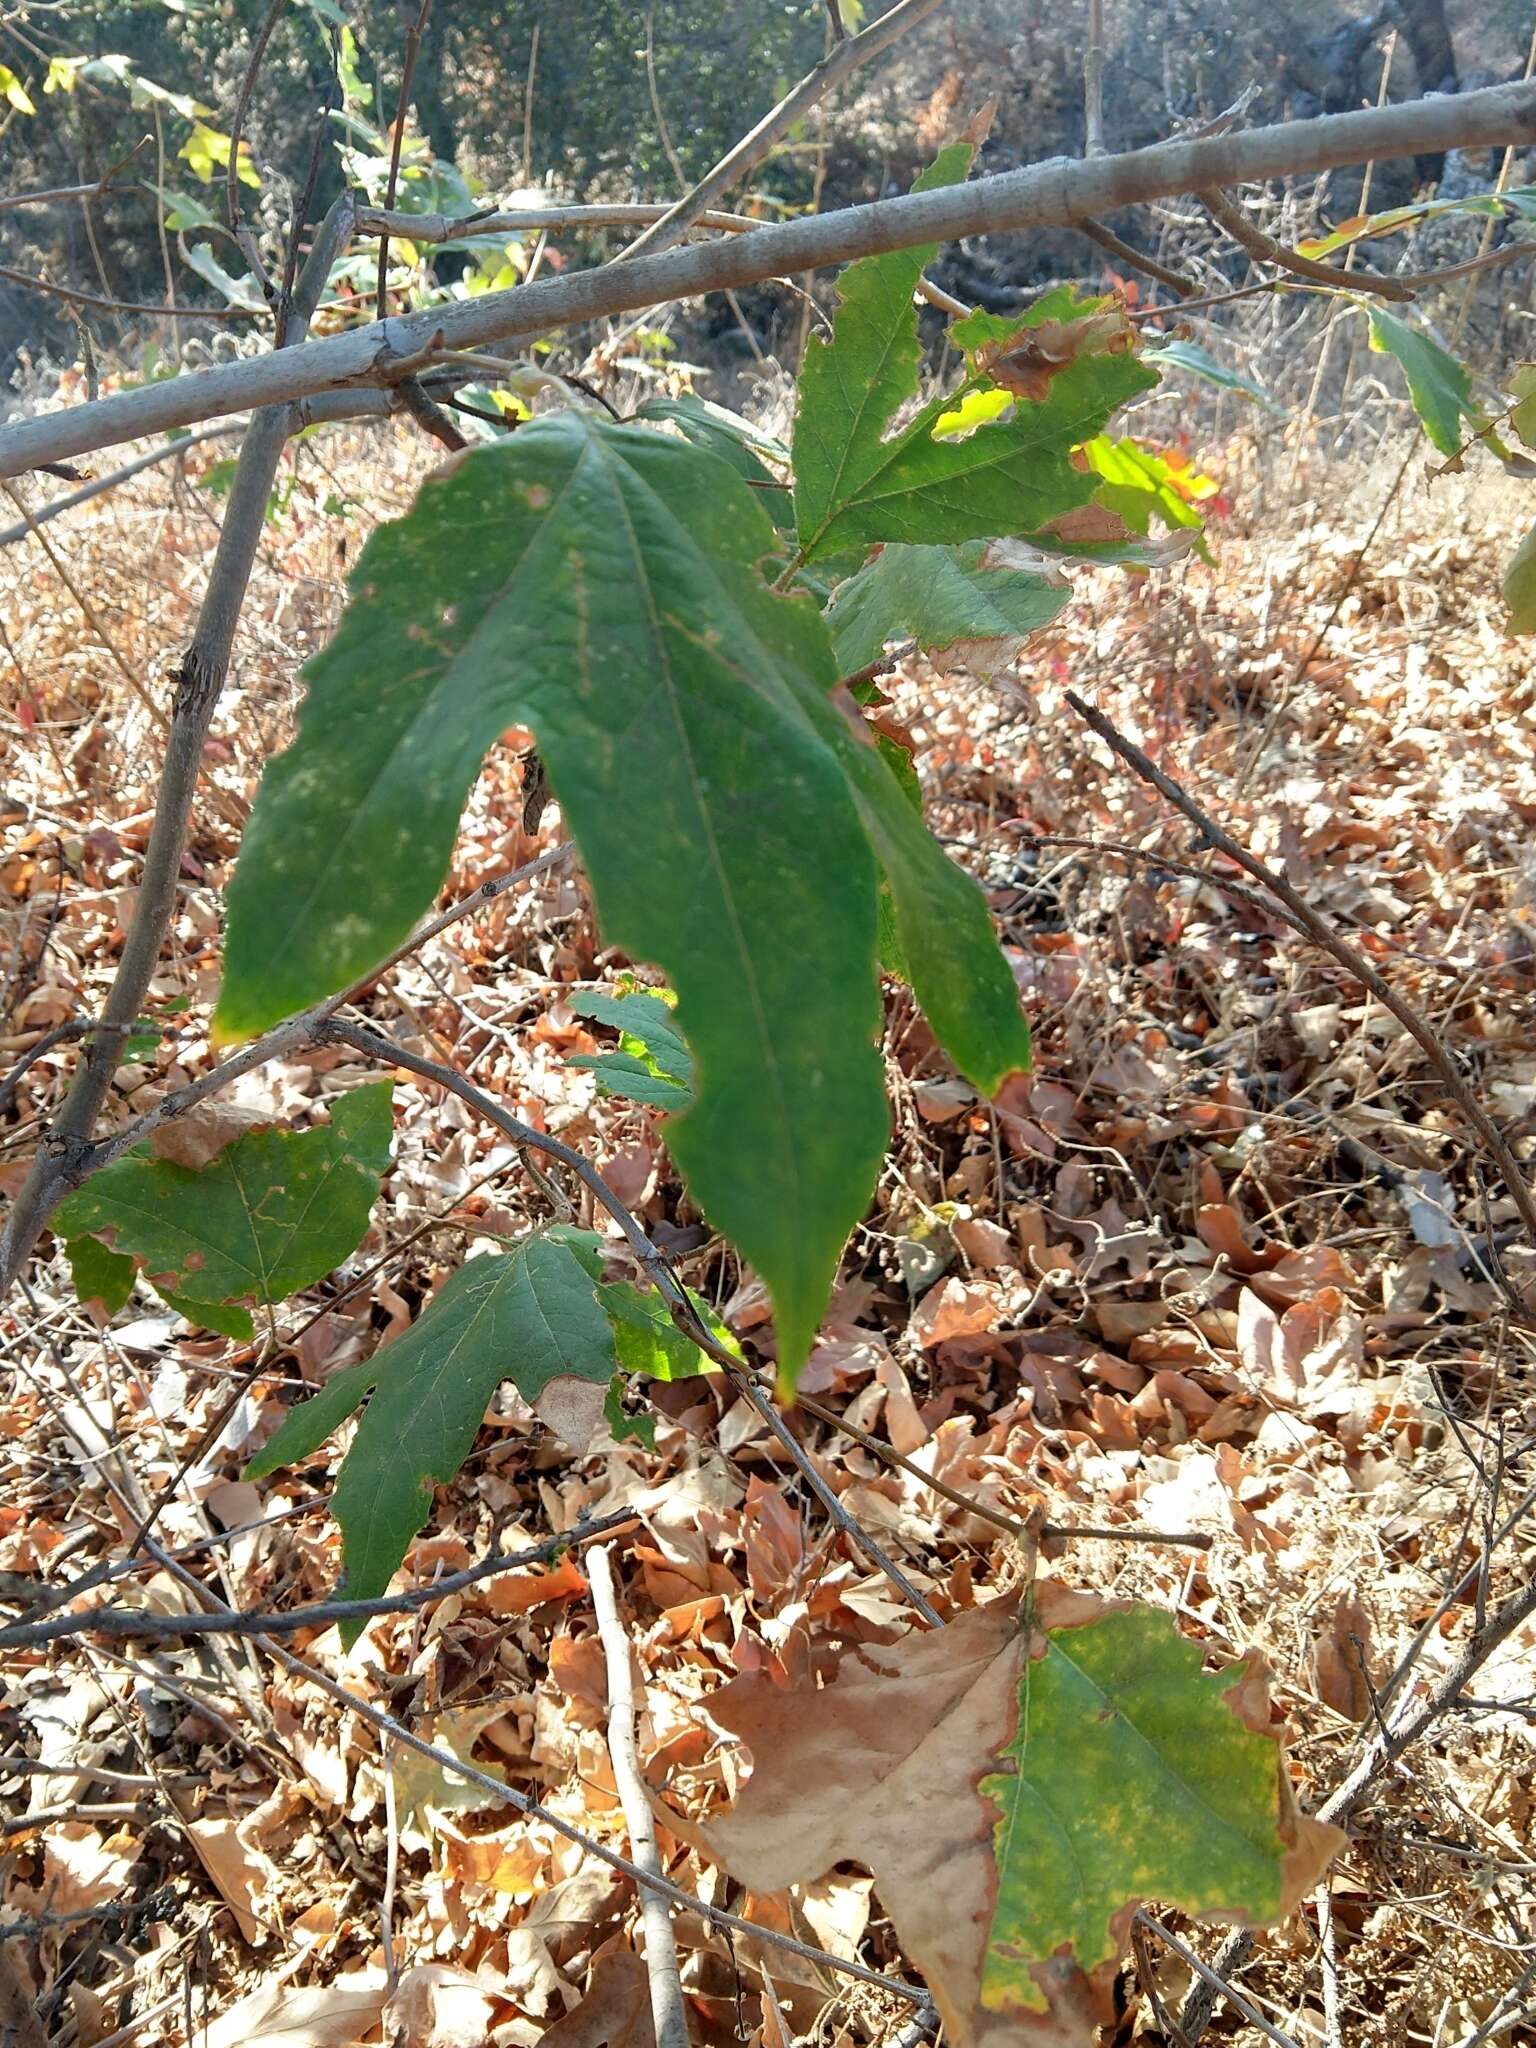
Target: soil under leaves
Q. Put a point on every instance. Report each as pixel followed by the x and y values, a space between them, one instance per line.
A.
pixel 1223 1262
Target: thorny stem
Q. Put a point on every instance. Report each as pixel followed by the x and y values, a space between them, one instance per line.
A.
pixel 201 678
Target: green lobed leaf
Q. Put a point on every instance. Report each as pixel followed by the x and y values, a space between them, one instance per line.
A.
pixel 1519 586
pixel 950 600
pixel 1134 1779
pixel 856 483
pixel 600 584
pixel 653 1064
pixel 528 1315
pixel 851 386
pixel 1440 387
pixel 273 1212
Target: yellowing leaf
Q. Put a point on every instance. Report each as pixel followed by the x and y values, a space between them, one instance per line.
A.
pixel 12 90
pixel 207 151
pixel 1136 1775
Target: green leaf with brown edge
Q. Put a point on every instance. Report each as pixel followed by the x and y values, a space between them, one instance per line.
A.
pixel 271 1213
pixel 1135 1777
pixel 529 1316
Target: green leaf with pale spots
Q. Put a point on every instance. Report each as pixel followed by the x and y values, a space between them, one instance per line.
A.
pixel 953 601
pixel 273 1212
pixel 600 584
pixel 528 1316
pixel 1133 1778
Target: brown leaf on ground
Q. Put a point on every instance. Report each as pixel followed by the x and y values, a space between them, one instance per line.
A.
pixel 326 2016
pixel 895 1790
pixel 1341 1659
pixel 438 2005
pixel 956 1308
pixel 616 2012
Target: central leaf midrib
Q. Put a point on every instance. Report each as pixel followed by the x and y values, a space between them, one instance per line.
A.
pixel 748 967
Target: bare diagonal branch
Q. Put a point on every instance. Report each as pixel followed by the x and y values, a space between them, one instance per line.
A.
pixel 1063 191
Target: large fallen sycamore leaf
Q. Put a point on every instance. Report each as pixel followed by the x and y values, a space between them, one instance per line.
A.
pixel 1014 1812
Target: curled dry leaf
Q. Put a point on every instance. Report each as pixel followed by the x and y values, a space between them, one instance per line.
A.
pixel 1133 1775
pixel 324 2016
pixel 1029 361
pixel 437 2005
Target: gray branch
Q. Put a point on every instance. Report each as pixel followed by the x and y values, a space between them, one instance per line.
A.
pixel 1057 193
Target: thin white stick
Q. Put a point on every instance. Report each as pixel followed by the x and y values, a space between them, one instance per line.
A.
pixel 668 2015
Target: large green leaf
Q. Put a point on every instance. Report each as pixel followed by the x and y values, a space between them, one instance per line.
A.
pixel 1134 1779
pixel 857 481
pixel 600 584
pixel 527 1315
pixel 271 1213
pixel 1440 387
pixel 950 600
